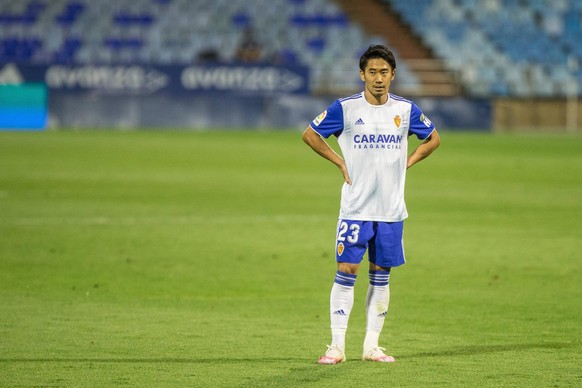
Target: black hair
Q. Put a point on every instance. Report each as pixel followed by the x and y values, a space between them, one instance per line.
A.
pixel 377 51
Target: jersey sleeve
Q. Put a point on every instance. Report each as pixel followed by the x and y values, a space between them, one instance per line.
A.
pixel 330 121
pixel 420 125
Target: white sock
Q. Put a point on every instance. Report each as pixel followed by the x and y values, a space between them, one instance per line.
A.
pixel 377 301
pixel 341 302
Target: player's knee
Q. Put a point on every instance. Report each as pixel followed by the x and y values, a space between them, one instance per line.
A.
pixel 348 268
pixel 374 267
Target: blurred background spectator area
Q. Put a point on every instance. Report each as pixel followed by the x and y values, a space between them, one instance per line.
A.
pixel 492 55
pixel 471 47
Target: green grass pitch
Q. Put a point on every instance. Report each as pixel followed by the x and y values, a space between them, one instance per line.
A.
pixel 206 259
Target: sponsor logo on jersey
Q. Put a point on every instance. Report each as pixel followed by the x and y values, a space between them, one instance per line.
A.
pixel 340 248
pixel 397 121
pixel 379 141
pixel 320 118
pixel 359 122
pixel 425 120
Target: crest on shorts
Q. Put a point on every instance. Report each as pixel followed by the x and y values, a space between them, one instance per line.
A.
pixel 397 121
pixel 340 248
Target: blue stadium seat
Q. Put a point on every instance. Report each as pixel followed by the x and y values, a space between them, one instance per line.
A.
pixel 178 31
pixel 469 35
pixel 536 36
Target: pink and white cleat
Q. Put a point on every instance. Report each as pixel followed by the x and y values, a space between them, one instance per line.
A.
pixel 377 355
pixel 333 355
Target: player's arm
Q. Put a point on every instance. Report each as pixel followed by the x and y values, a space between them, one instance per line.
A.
pixel 424 149
pixel 316 142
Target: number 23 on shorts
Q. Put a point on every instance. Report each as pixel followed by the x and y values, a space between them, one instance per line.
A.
pixel 347 231
pixel 348 234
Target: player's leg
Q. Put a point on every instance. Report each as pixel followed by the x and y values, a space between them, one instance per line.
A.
pixel 377 301
pixel 386 251
pixel 351 245
pixel 341 301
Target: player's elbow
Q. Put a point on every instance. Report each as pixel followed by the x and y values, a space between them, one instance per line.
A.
pixel 304 136
pixel 308 135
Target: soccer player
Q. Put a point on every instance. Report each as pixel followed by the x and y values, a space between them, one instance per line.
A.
pixel 372 129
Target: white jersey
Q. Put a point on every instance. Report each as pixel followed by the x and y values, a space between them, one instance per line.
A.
pixel 374 143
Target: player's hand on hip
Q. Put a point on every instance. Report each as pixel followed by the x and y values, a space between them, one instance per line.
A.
pixel 344 171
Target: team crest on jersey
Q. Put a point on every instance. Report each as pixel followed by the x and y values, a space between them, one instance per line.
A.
pixel 320 118
pixel 340 248
pixel 425 120
pixel 397 121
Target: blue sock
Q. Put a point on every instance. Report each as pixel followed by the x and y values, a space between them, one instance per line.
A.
pixel 345 279
pixel 379 278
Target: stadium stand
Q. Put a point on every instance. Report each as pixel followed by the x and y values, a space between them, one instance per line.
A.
pixel 434 79
pixel 494 47
pixel 184 31
pixel 516 48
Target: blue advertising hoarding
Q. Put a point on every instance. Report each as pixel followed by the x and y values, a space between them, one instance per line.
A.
pixel 253 80
pixel 201 96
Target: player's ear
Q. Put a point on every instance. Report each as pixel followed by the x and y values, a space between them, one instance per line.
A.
pixel 362 76
pixel 393 75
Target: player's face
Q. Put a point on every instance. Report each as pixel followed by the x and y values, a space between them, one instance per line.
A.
pixel 377 77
